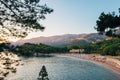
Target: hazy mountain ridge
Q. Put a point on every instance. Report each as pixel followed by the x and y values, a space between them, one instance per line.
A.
pixel 63 40
pixel 88 38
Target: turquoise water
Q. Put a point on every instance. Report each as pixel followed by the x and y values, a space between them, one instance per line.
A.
pixel 63 68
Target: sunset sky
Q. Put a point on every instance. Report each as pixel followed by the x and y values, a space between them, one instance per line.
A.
pixel 74 16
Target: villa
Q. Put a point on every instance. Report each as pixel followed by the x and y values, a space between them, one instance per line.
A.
pixel 76 50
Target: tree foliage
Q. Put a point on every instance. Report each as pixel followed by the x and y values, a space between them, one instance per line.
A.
pixel 4 46
pixel 106 47
pixel 111 50
pixel 18 17
pixel 108 24
pixel 43 75
pixel 29 49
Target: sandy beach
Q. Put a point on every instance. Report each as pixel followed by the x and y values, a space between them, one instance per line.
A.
pixel 108 62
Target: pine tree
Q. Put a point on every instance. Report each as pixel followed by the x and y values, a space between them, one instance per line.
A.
pixel 43 75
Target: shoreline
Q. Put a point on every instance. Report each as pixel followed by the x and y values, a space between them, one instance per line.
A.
pixel 105 61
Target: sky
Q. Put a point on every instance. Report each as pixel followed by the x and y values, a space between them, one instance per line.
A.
pixel 74 16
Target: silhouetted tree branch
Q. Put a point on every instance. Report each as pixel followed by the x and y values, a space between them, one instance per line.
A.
pixel 108 24
pixel 22 14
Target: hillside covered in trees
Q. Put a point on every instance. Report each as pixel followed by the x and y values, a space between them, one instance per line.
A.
pixel 29 49
pixel 106 47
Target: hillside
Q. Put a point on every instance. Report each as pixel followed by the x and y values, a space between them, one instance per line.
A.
pixel 63 40
pixel 88 38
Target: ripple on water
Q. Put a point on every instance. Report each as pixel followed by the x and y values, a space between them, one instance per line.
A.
pixel 63 68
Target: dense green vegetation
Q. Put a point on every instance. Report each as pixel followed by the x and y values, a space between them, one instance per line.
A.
pixel 4 46
pixel 106 47
pixel 29 49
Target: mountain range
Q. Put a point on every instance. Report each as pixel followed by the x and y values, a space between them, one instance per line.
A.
pixel 64 40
